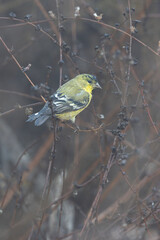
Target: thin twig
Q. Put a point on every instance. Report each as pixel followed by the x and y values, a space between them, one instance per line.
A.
pixel 20 67
pixel 19 107
pixel 100 190
pixel 129 57
pixel 60 43
pixel 119 30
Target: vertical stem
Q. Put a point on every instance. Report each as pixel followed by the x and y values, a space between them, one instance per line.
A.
pixel 74 30
pixel 60 44
pixel 129 55
pixel 49 178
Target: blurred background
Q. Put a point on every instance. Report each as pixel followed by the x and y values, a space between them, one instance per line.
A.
pixel 101 182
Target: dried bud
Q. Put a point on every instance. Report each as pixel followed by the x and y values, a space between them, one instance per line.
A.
pixel 52 15
pixel 28 111
pixel 77 12
pixel 98 17
pixel 25 69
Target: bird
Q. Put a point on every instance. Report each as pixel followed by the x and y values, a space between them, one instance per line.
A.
pixel 68 101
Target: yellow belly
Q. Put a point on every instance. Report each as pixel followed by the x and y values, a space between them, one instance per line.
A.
pixel 69 115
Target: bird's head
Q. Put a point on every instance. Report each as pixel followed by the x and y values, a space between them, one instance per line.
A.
pixel 88 81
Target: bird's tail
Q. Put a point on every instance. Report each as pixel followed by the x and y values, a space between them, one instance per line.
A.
pixel 38 118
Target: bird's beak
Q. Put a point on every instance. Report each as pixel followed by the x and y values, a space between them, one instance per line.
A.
pixel 98 86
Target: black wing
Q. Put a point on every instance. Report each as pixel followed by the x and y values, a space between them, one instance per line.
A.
pixel 63 103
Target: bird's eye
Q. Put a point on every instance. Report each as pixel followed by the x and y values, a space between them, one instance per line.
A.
pixel 89 81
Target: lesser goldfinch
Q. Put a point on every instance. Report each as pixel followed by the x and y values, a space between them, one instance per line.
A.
pixel 68 101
